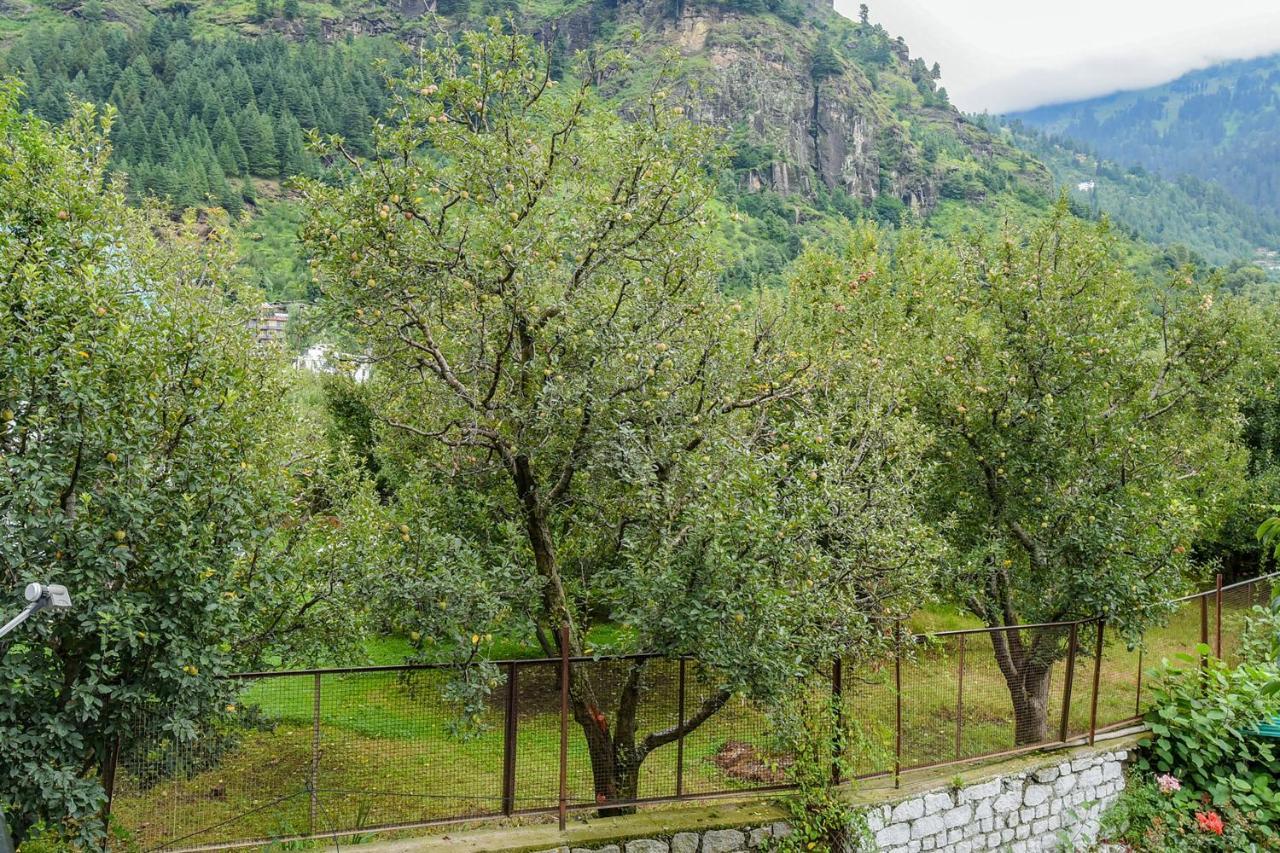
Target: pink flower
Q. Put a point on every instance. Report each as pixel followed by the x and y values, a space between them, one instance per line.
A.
pixel 1168 784
pixel 1209 822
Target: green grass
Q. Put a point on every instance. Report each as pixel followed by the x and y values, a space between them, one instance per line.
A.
pixel 390 751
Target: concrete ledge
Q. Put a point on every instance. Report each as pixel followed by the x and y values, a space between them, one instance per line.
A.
pixel 585 830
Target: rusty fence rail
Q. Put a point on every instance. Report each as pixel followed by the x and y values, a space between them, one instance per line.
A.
pixel 344 751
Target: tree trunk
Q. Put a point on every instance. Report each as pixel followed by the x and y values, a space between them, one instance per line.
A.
pixel 1031 708
pixel 1026 667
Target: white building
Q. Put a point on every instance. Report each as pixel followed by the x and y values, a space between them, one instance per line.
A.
pixel 323 358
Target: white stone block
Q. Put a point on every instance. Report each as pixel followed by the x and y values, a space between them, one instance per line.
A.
pixel 780 829
pixel 908 810
pixel 722 841
pixel 983 810
pixel 760 837
pixel 1023 831
pixel 958 816
pixel 929 843
pixel 1042 810
pixel 937 801
pixel 1007 802
pixel 980 791
pixel 1083 763
pixel 1045 775
pixel 893 835
pixel 685 842
pixel 647 845
pixel 926 826
pixel 1063 785
pixel 1034 795
pixel 1090 777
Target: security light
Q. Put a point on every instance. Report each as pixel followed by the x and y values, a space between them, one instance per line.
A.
pixel 39 596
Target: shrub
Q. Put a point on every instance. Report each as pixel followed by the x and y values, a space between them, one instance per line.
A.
pixel 1204 779
pixel 1146 818
pixel 1203 722
pixel 817 739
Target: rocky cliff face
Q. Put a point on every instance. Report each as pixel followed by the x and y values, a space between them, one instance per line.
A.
pixel 869 125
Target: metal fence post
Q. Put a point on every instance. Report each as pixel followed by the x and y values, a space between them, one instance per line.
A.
pixel 837 738
pixel 1137 702
pixel 564 724
pixel 314 779
pixel 897 692
pixel 1068 681
pixel 960 697
pixel 108 784
pixel 1217 617
pixel 1097 675
pixel 680 734
pixel 509 742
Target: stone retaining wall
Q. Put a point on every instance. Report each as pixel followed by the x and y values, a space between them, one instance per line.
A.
pixel 1055 806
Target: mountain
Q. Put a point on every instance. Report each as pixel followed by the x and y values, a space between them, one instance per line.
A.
pixel 1181 211
pixel 1219 124
pixel 831 120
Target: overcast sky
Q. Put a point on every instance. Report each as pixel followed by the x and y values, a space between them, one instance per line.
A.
pixel 1002 55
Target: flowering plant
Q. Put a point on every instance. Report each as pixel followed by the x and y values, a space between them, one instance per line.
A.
pixel 1209 822
pixel 1168 784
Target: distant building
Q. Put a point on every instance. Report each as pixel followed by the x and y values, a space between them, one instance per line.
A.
pixel 272 320
pixel 323 358
pixel 315 359
pixel 1086 186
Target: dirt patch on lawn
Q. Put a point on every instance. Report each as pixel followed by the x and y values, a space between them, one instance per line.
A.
pixel 744 762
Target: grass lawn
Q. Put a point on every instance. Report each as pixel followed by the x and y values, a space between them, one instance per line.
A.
pixel 388 751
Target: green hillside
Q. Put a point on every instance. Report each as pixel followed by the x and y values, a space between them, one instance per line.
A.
pixel 831 121
pixel 1181 211
pixel 1218 124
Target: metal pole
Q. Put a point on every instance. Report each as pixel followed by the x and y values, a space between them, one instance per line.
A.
pixel 509 743
pixel 897 684
pixel 680 734
pixel 564 724
pixel 1203 630
pixel 313 781
pixel 960 698
pixel 837 696
pixel 1217 618
pixel 1137 703
pixel 1064 727
pixel 108 783
pixel 1097 675
pixel 1205 619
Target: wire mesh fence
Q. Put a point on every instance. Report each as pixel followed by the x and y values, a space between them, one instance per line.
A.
pixel 347 751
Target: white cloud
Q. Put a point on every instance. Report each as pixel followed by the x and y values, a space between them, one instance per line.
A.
pixel 1002 55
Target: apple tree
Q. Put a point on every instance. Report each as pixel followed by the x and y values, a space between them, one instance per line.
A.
pixel 581 427
pixel 1087 431
pixel 145 463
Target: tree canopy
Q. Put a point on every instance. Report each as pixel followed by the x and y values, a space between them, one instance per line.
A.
pixel 149 465
pixel 581 426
